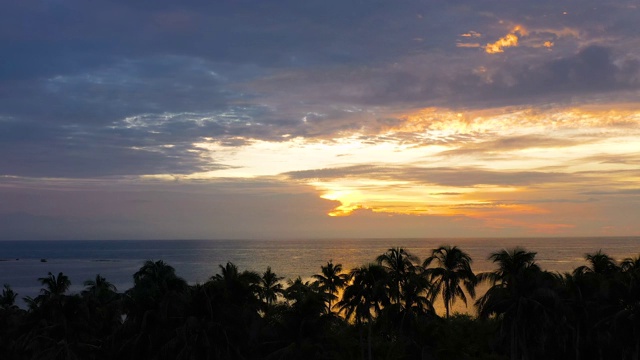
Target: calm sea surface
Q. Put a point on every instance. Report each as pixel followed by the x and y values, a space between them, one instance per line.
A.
pixel 197 260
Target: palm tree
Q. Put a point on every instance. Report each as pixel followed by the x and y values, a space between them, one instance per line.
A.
pixel 599 263
pixel 158 274
pixel 156 287
pixel 364 296
pixel 8 298
pixel 631 265
pixel 305 297
pixel 453 267
pixel 625 322
pixel 52 291
pixel 104 305
pixel 511 265
pixel 54 285
pixel 330 281
pixel 521 295
pixel 238 286
pixel 409 315
pixel 270 287
pixel 59 324
pixel 302 323
pixel 12 319
pixel 223 319
pixel 154 306
pixel 99 288
pixel 399 263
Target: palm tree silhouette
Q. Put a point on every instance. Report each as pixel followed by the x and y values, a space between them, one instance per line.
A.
pixel 156 287
pixel 625 321
pixel 103 306
pixel 302 322
pixel 158 274
pixel 52 291
pixel 416 307
pixel 453 267
pixel 59 324
pixel 154 307
pixel 270 287
pixel 8 298
pixel 631 266
pixel 330 281
pixel 99 288
pixel 519 295
pixel 365 295
pixel 599 263
pixel 238 286
pixel 54 285
pixel 399 263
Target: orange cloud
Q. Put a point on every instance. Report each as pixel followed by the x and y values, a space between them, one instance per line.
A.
pixel 471 34
pixel 509 40
pixel 461 43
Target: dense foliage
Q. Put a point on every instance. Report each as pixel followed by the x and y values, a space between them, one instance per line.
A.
pixel 381 310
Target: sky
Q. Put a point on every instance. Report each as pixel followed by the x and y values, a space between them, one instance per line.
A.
pixel 319 119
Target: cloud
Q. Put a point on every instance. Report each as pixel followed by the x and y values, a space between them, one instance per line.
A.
pixel 131 117
pixel 443 176
pixel 509 40
pixel 511 143
pixel 160 210
pixel 413 82
pixel 623 159
pixel 159 90
pixel 593 69
pixel 126 134
pixel 635 191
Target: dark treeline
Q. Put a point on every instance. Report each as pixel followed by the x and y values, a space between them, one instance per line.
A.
pixel 381 310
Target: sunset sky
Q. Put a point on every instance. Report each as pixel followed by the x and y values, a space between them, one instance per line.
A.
pixel 318 119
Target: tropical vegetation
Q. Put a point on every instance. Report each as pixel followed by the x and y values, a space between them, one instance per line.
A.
pixel 396 307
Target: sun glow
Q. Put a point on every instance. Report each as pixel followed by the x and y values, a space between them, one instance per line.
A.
pixel 504 167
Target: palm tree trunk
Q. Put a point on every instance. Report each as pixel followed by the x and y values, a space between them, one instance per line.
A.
pixel 577 342
pixel 361 343
pixel 370 354
pixel 514 342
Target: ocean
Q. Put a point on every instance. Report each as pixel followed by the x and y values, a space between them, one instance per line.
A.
pixel 23 262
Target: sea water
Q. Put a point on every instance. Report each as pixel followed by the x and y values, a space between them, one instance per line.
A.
pixel 23 262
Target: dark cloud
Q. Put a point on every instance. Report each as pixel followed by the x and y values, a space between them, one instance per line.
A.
pixel 507 144
pixel 542 201
pixel 590 70
pixel 439 176
pixel 454 81
pixel 93 156
pixel 615 192
pixel 283 33
pixel 624 159
pixel 77 125
pixel 128 87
